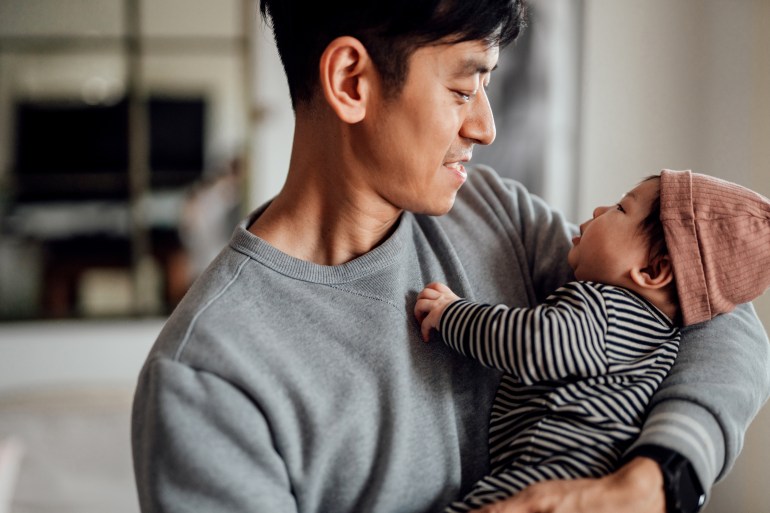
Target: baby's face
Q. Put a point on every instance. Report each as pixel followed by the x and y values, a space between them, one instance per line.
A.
pixel 611 243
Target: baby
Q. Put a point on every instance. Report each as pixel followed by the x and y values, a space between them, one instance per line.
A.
pixel 580 369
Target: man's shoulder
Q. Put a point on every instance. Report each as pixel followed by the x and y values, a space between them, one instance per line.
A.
pixel 229 289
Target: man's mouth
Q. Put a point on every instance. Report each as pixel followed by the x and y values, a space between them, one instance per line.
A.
pixel 576 240
pixel 457 167
pixel 456 164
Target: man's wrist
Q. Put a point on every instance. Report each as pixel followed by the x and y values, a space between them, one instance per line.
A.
pixel 682 488
pixel 643 472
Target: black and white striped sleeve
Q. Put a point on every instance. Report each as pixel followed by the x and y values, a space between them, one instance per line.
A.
pixel 563 337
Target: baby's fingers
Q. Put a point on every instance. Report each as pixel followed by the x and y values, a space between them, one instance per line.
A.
pixel 428 293
pixel 425 330
pixel 423 310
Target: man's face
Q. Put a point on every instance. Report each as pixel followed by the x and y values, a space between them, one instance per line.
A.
pixel 611 242
pixel 416 143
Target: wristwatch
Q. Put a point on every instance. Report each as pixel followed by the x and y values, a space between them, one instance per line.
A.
pixel 684 493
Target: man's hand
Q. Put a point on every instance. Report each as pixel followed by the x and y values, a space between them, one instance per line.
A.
pixel 637 487
pixel 431 302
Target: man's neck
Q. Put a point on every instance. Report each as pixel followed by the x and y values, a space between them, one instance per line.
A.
pixel 326 212
pixel 324 223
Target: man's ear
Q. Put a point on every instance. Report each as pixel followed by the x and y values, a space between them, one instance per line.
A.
pixel 656 275
pixel 346 72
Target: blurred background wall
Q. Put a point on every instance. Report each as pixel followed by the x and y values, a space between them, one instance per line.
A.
pixel 596 95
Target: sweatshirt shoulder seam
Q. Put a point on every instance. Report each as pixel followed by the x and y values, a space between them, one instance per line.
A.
pixel 191 325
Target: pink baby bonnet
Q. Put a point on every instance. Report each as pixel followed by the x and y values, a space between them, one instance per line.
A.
pixel 718 236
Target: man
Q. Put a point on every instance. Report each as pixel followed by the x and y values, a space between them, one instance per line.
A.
pixel 291 377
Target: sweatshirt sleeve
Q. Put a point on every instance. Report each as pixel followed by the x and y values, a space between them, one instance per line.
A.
pixel 199 444
pixel 546 237
pixel 564 337
pixel 720 380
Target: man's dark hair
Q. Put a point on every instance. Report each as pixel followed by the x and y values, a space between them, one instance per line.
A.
pixel 389 29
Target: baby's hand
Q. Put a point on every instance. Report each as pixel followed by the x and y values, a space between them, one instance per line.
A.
pixel 431 303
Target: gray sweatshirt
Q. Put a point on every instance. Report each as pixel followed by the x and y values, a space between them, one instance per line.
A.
pixel 281 385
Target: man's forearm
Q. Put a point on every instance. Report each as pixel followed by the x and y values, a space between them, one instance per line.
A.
pixel 637 487
pixel 720 380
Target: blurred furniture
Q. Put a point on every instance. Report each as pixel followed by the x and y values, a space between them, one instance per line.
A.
pixel 105 118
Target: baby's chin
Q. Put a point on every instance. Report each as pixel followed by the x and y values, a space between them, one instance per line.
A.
pixel 582 276
pixel 571 263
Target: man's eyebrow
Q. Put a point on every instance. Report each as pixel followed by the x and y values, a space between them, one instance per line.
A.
pixel 472 67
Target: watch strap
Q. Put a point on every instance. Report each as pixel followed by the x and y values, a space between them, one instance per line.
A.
pixel 683 490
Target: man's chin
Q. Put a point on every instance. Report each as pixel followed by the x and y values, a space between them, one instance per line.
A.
pixel 437 208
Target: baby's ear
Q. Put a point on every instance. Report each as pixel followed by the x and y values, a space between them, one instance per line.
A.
pixel 656 275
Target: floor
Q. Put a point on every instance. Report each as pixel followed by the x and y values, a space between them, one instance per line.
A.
pixel 76 450
pixel 65 393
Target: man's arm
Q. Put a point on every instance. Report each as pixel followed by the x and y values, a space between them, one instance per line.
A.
pixel 199 444
pixel 628 490
pixel 719 381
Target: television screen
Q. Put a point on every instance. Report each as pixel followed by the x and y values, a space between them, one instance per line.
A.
pixel 177 139
pixel 73 151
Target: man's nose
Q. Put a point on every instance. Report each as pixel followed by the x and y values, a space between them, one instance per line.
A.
pixel 479 126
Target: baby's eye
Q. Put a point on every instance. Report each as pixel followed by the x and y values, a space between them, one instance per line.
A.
pixel 620 207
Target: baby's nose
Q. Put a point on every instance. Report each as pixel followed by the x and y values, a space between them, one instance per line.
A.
pixel 599 211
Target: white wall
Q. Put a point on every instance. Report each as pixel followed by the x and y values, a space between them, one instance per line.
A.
pixel 676 84
pixel 271 136
pixel 74 354
pixel 684 85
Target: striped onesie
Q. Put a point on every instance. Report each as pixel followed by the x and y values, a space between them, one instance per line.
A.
pixel 580 370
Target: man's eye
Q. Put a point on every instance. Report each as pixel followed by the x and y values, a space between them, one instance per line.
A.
pixel 466 97
pixel 620 207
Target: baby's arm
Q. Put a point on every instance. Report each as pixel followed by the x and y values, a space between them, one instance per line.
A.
pixel 562 338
